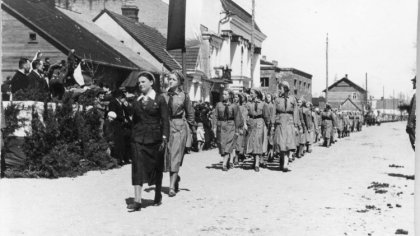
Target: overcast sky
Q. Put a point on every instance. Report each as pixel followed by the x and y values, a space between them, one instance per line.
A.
pixel 373 36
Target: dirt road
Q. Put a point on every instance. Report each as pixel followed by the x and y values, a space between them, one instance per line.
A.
pixel 360 186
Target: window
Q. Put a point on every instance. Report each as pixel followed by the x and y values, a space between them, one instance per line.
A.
pixel 300 85
pixel 264 81
pixel 32 38
pixel 354 96
pixel 304 86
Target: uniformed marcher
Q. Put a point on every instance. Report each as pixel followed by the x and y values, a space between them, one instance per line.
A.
pixel 286 125
pixel 258 113
pixel 149 136
pixel 228 121
pixel 181 116
pixel 327 125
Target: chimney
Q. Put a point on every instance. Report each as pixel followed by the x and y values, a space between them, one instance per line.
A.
pixel 264 58
pixel 130 10
pixel 346 76
pixel 275 63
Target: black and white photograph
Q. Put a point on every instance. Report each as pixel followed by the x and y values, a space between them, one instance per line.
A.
pixel 209 117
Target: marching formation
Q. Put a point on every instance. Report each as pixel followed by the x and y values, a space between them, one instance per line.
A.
pixel 255 126
pixel 260 127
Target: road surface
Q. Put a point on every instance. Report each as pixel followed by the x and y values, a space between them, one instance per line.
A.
pixel 363 185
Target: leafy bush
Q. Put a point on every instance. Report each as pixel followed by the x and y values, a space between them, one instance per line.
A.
pixel 65 143
pixel 31 94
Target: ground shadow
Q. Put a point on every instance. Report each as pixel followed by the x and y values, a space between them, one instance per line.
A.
pixel 165 190
pixel 144 202
pixel 410 177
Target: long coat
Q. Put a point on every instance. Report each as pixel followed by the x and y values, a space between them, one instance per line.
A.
pixel 241 141
pixel 228 120
pixel 309 123
pixel 286 120
pixel 19 81
pixel 327 124
pixel 150 125
pixel 259 118
pixel 181 115
pixel 411 122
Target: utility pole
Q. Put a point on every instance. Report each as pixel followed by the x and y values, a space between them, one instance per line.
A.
pixel 367 94
pixel 252 43
pixel 326 85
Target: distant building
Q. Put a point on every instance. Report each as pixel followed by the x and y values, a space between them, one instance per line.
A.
pixel 387 106
pixel 318 102
pixel 347 95
pixel 300 82
pixel 29 26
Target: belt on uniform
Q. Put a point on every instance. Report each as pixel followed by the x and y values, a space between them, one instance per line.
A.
pixel 177 117
pixel 225 119
pixel 288 112
pixel 256 117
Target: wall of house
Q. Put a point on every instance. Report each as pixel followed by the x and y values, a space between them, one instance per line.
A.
pixel 114 29
pixel 342 91
pixel 272 81
pixel 299 86
pixel 17 44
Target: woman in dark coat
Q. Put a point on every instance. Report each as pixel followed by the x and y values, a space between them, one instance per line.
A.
pixel 181 115
pixel 286 124
pixel 150 133
pixel 258 118
pixel 310 127
pixel 228 120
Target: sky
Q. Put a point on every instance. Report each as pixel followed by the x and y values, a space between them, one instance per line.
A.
pixel 377 37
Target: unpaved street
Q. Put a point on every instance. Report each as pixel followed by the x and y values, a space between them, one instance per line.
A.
pixel 360 186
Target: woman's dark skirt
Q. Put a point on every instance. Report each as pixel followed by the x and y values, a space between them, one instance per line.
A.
pixel 147 164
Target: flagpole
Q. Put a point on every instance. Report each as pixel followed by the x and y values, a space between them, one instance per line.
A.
pixel 326 89
pixel 184 69
pixel 252 43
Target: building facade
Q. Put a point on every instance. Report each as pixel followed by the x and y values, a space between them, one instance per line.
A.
pixel 345 91
pixel 271 75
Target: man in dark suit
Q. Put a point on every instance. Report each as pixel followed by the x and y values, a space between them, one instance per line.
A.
pixel 20 80
pixel 121 149
pixel 411 122
pixel 36 77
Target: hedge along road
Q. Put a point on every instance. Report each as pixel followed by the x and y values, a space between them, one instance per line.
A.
pixel 361 185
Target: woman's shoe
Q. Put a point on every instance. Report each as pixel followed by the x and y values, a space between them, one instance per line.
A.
pixel 135 206
pixel 178 179
pixel 172 192
pixel 257 169
pixel 158 200
pixel 224 168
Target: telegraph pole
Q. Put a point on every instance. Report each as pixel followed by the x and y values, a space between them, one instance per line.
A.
pixel 326 89
pixel 367 94
pixel 252 43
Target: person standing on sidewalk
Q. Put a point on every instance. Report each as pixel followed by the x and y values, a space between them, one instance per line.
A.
pixel 181 115
pixel 411 122
pixel 149 137
pixel 286 124
pixel 228 120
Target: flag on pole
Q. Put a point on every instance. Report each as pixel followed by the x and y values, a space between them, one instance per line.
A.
pixel 77 75
pixel 184 18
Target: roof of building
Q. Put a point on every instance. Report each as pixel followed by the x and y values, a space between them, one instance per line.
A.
pixel 348 100
pixel 191 57
pixel 237 10
pixel 117 45
pixel 267 65
pixel 150 38
pixel 64 33
pixel 351 83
